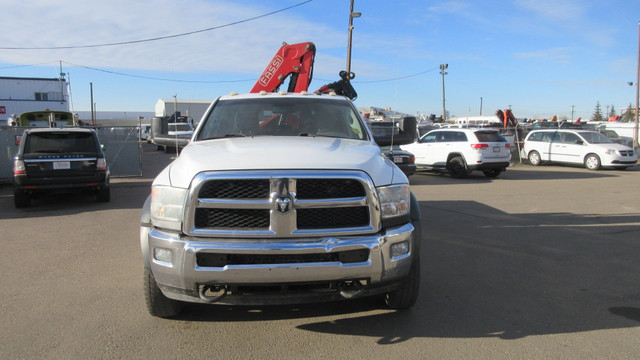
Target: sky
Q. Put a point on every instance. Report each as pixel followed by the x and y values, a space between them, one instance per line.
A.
pixel 538 57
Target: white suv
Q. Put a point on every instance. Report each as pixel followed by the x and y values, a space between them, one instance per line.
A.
pixel 460 151
pixel 590 148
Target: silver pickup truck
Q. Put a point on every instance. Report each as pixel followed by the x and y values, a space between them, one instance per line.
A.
pixel 281 198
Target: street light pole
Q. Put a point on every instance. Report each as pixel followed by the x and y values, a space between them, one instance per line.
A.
pixel 351 16
pixel 443 67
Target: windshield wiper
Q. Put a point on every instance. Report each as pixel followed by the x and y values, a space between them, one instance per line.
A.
pixel 225 136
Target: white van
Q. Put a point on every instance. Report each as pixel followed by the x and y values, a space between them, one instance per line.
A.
pixel 590 148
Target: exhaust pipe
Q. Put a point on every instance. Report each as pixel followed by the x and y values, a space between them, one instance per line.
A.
pixel 212 293
pixel 350 289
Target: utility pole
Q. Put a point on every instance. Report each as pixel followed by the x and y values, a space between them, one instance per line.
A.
pixel 93 116
pixel 572 108
pixel 351 16
pixel 443 67
pixel 480 105
pixel 635 128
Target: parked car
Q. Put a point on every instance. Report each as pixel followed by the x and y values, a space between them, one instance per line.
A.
pixel 145 133
pixel 59 160
pixel 589 148
pixel 611 134
pixel 426 126
pixel 405 160
pixel 460 151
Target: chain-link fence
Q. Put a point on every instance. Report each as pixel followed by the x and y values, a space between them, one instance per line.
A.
pixel 123 151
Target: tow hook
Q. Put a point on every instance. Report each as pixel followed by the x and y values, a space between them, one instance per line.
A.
pixel 212 293
pixel 350 289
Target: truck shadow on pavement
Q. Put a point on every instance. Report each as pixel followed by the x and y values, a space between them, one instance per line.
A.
pixel 488 274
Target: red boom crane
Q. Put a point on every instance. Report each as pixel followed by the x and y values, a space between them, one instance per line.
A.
pixel 296 61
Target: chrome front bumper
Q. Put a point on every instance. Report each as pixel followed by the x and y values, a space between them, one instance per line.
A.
pixel 172 260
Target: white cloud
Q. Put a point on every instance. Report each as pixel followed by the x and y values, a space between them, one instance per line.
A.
pixel 557 54
pixel 42 23
pixel 555 10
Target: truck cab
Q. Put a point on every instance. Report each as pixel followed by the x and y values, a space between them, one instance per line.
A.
pixel 281 198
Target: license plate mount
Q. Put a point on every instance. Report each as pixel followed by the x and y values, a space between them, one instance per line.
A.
pixel 61 165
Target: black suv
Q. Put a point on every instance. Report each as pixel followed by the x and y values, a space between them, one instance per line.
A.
pixel 59 159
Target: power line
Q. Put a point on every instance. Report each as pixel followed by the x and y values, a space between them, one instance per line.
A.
pixel 25 65
pixel 154 78
pixel 159 37
pixel 207 81
pixel 391 79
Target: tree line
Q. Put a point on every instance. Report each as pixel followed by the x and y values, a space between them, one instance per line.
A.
pixel 627 116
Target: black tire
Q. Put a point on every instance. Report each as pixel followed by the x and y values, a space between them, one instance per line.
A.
pixel 592 162
pixel 406 295
pixel 21 199
pixel 158 304
pixel 104 194
pixel 492 173
pixel 457 168
pixel 534 158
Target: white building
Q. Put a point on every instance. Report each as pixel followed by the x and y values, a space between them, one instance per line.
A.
pixel 488 120
pixel 191 108
pixel 19 95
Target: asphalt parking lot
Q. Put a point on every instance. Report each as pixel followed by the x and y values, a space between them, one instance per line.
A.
pixel 540 263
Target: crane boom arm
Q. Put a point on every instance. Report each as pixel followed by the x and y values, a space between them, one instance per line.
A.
pixel 296 61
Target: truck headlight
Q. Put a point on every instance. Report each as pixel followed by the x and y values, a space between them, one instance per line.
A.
pixel 394 200
pixel 167 206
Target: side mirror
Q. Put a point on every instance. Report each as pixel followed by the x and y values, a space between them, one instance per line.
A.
pixel 579 142
pixel 102 147
pixel 398 132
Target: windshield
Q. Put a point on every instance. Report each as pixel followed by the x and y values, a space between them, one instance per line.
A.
pixel 60 142
pixel 282 117
pixel 595 138
pixel 490 136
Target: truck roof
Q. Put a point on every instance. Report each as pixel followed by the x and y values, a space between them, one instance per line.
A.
pixel 327 97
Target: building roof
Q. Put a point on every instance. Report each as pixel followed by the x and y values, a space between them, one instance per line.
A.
pixel 186 101
pixel 29 78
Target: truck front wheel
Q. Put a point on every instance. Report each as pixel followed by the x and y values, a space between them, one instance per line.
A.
pixel 405 296
pixel 158 304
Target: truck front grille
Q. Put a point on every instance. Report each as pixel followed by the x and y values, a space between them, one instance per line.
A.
pixel 221 260
pixel 281 204
pixel 235 189
pixel 232 218
pixel 333 218
pixel 329 188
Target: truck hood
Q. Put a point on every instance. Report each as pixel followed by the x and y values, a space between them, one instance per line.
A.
pixel 280 153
